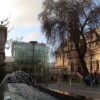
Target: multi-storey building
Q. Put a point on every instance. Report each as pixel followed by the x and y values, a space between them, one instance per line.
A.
pixel 31 57
pixel 3 38
pixel 69 59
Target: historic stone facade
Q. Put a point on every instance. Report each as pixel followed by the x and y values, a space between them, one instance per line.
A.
pixel 3 38
pixel 69 58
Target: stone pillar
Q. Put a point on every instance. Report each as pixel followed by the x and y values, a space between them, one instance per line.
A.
pixel 3 39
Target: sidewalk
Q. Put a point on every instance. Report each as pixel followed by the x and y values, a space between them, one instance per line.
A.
pixel 77 88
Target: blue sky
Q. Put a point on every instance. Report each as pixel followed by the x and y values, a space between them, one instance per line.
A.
pixel 23 17
pixel 28 34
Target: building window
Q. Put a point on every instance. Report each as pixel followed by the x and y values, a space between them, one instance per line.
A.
pixel 72 67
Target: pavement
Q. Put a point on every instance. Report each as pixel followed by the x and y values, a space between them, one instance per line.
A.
pixel 76 88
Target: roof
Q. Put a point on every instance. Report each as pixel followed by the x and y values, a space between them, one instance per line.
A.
pixel 30 43
pixel 42 44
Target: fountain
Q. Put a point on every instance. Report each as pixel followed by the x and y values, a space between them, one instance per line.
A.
pixel 26 92
pixel 20 86
pixel 18 77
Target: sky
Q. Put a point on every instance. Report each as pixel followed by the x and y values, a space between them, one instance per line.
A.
pixel 23 17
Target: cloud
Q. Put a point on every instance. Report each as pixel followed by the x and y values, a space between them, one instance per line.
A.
pixel 34 36
pixel 23 12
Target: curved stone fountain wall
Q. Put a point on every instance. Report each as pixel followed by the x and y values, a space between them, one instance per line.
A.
pixel 18 77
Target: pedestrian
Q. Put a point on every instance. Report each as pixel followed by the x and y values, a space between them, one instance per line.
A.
pixel 88 80
pixel 96 78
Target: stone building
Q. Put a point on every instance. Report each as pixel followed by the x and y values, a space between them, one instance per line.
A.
pixel 69 59
pixel 3 38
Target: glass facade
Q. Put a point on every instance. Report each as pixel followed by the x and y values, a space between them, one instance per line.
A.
pixel 28 53
pixel 23 53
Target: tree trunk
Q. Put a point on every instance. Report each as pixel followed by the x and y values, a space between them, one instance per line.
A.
pixel 79 40
pixel 84 67
pixel 82 61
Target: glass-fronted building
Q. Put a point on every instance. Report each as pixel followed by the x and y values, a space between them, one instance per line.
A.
pixel 23 53
pixel 30 57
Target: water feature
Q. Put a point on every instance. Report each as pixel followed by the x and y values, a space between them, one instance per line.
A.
pixel 20 86
pixel 26 92
pixel 18 77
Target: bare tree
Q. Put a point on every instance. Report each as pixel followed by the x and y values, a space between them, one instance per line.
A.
pixel 61 18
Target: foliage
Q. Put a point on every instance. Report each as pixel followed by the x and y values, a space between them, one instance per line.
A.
pixel 70 18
